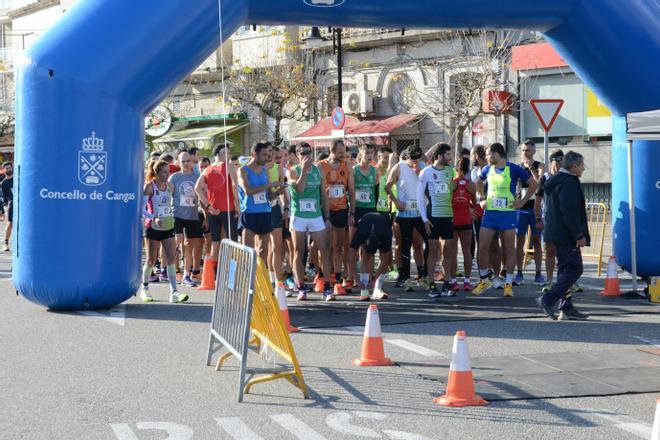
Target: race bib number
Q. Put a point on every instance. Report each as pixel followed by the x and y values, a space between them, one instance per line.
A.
pixel 187 202
pixel 307 205
pixel 441 188
pixel 336 191
pixel 260 198
pixel 499 203
pixel 411 205
pixel 163 211
pixel 382 203
pixel 363 196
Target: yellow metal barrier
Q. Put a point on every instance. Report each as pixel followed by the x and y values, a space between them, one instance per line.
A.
pixel 269 332
pixel 597 220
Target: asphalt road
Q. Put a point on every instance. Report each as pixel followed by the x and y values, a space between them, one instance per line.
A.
pixel 138 372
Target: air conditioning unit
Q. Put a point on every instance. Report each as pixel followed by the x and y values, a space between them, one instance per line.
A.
pixel 358 102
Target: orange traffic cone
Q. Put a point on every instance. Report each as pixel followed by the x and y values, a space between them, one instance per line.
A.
pixel 460 386
pixel 373 353
pixel 208 274
pixel 284 310
pixel 612 287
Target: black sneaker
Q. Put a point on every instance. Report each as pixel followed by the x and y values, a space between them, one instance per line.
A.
pixel 399 281
pixel 547 309
pixel 572 315
pixel 433 291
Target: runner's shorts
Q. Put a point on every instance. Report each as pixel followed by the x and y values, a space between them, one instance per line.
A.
pixel 339 219
pixel 224 220
pixel 315 224
pixel 259 222
pixel 499 220
pixel 192 228
pixel 360 212
pixel 443 227
pixel 526 219
pixel 157 235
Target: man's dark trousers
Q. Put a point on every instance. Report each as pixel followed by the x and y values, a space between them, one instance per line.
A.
pixel 569 270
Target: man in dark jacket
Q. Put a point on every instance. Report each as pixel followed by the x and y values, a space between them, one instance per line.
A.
pixel 567 229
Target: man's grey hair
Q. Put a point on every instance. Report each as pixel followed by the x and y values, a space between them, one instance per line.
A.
pixel 572 159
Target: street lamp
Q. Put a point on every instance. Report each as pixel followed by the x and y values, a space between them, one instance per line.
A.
pixel 315 40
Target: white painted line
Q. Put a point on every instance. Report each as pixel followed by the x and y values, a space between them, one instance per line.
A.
pixel 401 435
pixel 174 431
pixel 624 423
pixel 237 429
pixel 413 347
pixel 299 429
pixel 653 342
pixel 117 314
pixel 341 422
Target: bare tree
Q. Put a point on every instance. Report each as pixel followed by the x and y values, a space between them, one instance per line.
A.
pixel 478 62
pixel 280 85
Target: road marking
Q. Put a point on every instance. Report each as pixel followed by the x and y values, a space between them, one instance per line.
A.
pixel 402 435
pixel 235 427
pixel 624 423
pixel 413 347
pixel 117 314
pixel 355 328
pixel 299 429
pixel 174 431
pixel 653 342
pixel 341 422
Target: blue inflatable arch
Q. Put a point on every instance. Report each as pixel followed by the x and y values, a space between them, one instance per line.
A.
pixel 84 88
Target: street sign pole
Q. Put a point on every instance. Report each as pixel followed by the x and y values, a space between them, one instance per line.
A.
pixel 546 157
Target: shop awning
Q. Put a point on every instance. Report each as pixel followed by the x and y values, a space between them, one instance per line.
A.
pixel 375 131
pixel 200 137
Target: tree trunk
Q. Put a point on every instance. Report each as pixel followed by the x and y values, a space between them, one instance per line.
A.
pixel 277 138
pixel 460 133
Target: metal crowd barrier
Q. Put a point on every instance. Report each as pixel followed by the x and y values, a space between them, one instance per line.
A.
pixel 230 324
pixel 597 220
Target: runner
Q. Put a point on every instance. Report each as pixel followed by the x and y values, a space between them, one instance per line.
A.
pixel 8 200
pixel 254 191
pixel 204 163
pixel 217 194
pixel 186 218
pixel 526 218
pixel 365 178
pixel 539 212
pixel 309 205
pixel 160 228
pixel 405 175
pixel 339 187
pixel 463 205
pixel 500 213
pixel 372 234
pixel 436 183
pixel 277 206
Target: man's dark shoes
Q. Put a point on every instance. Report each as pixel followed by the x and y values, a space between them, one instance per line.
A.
pixel 572 315
pixel 547 309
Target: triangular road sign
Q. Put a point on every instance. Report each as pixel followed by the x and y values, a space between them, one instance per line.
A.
pixel 547 111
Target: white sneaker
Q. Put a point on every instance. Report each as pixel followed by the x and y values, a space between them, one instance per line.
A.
pixel 5 248
pixel 144 295
pixel 177 297
pixel 498 283
pixel 379 294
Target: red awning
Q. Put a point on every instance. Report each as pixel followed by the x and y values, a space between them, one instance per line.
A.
pixel 375 131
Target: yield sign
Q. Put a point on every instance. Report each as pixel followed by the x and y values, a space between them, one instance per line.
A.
pixel 547 111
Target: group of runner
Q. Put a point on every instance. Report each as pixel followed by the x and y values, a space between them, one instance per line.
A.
pixel 328 219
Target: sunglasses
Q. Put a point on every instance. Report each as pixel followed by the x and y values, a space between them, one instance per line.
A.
pixel 305 153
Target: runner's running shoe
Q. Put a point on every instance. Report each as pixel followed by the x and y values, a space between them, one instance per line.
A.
pixel 546 287
pixel 454 287
pixel 187 281
pixel 339 290
pixel 163 277
pixel 467 286
pixel 145 296
pixel 498 283
pixel 481 287
pixel 348 285
pixel 393 275
pixel 310 272
pixel 153 278
pixel 518 279
pixel 433 291
pixel 328 295
pixel 424 282
pixel 508 290
pixel 408 285
pixel 364 295
pixel 379 294
pixel 177 297
pixel 539 279
pixel 289 283
pixel 319 284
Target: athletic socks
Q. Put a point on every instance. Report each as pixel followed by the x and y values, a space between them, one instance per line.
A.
pixel 146 274
pixel 171 275
pixel 379 281
pixel 364 279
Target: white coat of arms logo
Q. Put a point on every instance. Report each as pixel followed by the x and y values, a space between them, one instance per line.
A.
pixel 92 162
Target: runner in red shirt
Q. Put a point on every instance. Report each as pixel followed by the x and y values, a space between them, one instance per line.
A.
pixel 463 203
pixel 217 193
